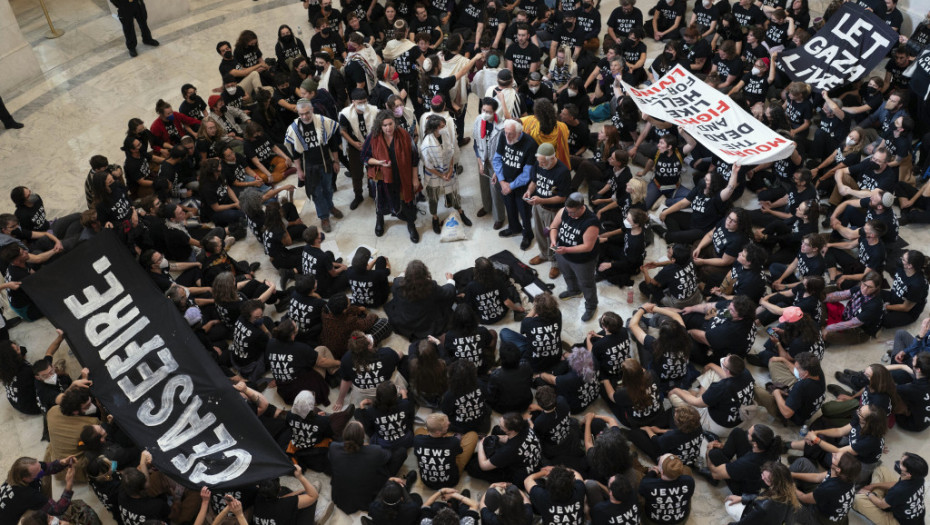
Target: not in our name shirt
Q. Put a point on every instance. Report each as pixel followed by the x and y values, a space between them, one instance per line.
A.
pixel 667 501
pixel 571 233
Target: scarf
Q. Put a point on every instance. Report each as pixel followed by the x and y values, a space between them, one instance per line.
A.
pixel 458 94
pixel 396 48
pixel 324 78
pixel 484 126
pixel 357 57
pixel 403 154
pixel 558 137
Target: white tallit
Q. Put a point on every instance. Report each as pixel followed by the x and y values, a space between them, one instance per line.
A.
pixel 437 156
pixel 459 93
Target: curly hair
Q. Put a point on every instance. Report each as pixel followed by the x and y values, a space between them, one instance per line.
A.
pixel 582 363
pixel 673 340
pixel 611 454
pixel 463 377
pixel 362 354
pixel 418 283
pixel 546 308
pixel 10 361
pixel 687 419
pixel 544 111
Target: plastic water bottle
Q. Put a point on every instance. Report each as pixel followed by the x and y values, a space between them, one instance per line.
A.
pixel 803 431
pixel 300 32
pixel 629 296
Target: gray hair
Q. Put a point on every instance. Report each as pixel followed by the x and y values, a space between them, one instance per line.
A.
pixel 575 200
pixel 514 123
pixel 304 103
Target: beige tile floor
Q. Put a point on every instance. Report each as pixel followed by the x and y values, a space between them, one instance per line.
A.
pixel 91 89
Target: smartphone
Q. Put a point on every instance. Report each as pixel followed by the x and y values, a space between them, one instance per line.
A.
pixel 770 331
pixel 113 466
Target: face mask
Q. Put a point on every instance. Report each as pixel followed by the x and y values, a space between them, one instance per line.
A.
pixel 395 77
pixel 322 237
pixel 492 10
pixel 756 71
pixel 164 263
pixel 723 361
pixel 667 55
pixel 51 380
pixel 670 2
pixel 54 521
pixel 627 224
pixel 305 70
pixel 534 89
pixel 897 467
pixel 327 8
pixel 231 90
pixel 797 375
pixel 707 5
pixel 361 107
pixel 288 38
pixel 325 33
pixel 572 93
pixel 398 111
pixel 33 198
pixel 91 411
pixel 228 55
pixel 569 26
pixel 371 340
pixel 871 91
pixel 487 116
pixel 850 142
pixel 171 117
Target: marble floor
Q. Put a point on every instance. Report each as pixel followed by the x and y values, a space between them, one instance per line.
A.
pixel 91 88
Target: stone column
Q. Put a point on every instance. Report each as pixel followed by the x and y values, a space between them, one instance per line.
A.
pixel 17 60
pixel 161 11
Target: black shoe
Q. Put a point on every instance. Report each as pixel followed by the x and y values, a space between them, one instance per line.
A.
pixel 379 225
pixel 659 230
pixel 481 213
pixel 14 322
pixel 152 42
pixel 754 360
pixel 568 294
pixel 705 473
pixel 466 493
pixel 13 125
pixel 421 197
pixel 410 479
pixel 526 242
pixel 254 267
pixel 356 202
pixel 465 220
pixel 133 53
pixel 414 234
pixel 283 302
pixel 286 275
pixel 436 227
pixel 508 233
pixel 498 225
pixel 844 377
pixel 837 390
pixel 587 316
pixel 367 521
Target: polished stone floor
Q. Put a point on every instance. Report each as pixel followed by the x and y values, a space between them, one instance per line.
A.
pixel 91 88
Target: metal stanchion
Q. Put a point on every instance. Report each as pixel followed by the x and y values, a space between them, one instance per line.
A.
pixel 53 32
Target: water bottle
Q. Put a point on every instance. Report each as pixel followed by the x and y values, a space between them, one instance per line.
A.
pixel 803 431
pixel 629 296
pixel 300 33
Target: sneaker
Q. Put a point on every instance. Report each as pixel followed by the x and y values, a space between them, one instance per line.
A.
pixel 570 294
pixel 326 226
pixel 336 212
pixel 229 241
pixel 587 316
pixel 322 516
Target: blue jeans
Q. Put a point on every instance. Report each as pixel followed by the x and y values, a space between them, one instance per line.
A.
pixel 671 196
pixel 322 194
pixel 227 217
pixel 519 340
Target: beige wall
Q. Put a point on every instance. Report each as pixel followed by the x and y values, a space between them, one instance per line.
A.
pixel 17 61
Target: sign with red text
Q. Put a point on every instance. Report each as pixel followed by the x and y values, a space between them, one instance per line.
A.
pixel 711 117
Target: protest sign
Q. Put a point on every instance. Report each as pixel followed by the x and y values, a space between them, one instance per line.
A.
pixel 852 42
pixel 711 117
pixel 150 371
pixel 919 72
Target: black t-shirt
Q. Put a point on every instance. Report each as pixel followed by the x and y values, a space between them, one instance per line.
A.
pixel 515 156
pixel 406 62
pixel 637 416
pixel 306 312
pixel 379 370
pixel 679 282
pixel 554 430
pixel 436 460
pixel 749 282
pixel 906 498
pixel 698 50
pixel 566 37
pixel 666 14
pixel 511 388
pixel 249 341
pixel 834 498
pixel 755 87
pixel 622 22
pixel 667 501
pixel 519 456
pixel 579 393
pixel 609 513
pixel 466 412
pixel 468 14
pixel 287 359
pixel 725 397
pixel 686 446
pixel 748 17
pixel 669 367
pixel 21 390
pixel 776 34
pixel 16 500
pixel 726 68
pixel 369 287
pixel 193 109
pixel 571 233
pixel 522 58
pixel 260 147
pixel 725 242
pixel 632 52
pixel 871 255
pixel 916 397
pixel 706 210
pixel 913 289
pixel 867 448
pixel 570 511
pixel 705 16
pixel 390 425
pixel 278 511
pixel 609 352
pixel 746 473
pixel 555 182
pixel 310 431
pixel 870 313
pixel 805 398
pixel 545 338
pixel 729 336
pixel 868 179
pixel 213 192
pixel 314 261
pixel 136 511
pixel 798 112
pixel 461 345
pixel 32 218
pixel 487 300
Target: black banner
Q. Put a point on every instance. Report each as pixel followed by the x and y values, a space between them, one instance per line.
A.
pixel 150 371
pixel 852 42
pixel 920 76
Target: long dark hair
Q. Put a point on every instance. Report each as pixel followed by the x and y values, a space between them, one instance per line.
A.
pixel 638 383
pixel 362 356
pixel 673 340
pixel 428 371
pixel 611 454
pixel 208 172
pixel 511 506
pixel 485 272
pixel 392 495
pixel 382 115
pixel 10 362
pixel 463 377
pixel 244 38
pixel 353 437
pixel 768 442
pixel 418 283
pixel 545 113
pixel 274 218
pixel 464 319
pixel 805 328
pixel 386 397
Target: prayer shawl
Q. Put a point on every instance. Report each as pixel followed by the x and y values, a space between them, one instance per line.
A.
pixel 557 137
pixel 407 103
pixel 324 78
pixel 396 48
pixel 403 154
pixel 352 116
pixel 368 59
pixel 486 137
pixel 325 129
pixel 448 132
pixel 459 94
pixel 437 155
pixel 507 99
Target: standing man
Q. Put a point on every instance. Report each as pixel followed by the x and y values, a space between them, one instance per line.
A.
pixel 550 184
pixel 573 238
pixel 316 139
pixel 130 11
pixel 355 123
pixel 512 163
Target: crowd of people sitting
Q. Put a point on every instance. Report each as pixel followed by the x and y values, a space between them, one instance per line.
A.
pixel 567 162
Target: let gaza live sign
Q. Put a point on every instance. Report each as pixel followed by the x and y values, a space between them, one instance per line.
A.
pixel 711 117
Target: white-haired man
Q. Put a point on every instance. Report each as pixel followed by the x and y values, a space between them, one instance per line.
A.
pixel 512 163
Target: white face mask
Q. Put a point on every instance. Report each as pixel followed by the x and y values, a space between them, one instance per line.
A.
pixel 231 90
pixel 361 107
pixel 670 2
pixel 572 93
pixel 850 142
pixel 534 89
pixel 91 411
pixel 51 380
pixel 371 340
pixel 54 521
pixel 756 71
pixel 487 116
pixel 164 263
pixel 797 375
pixel 627 224
pixel 723 363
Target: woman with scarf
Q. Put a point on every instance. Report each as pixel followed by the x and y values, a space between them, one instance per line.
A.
pixel 487 131
pixel 392 167
pixel 544 126
pixel 439 170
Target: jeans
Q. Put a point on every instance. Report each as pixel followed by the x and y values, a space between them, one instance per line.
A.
pixel 517 339
pixel 580 276
pixel 322 194
pixel 518 212
pixel 671 196
pixel 227 217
